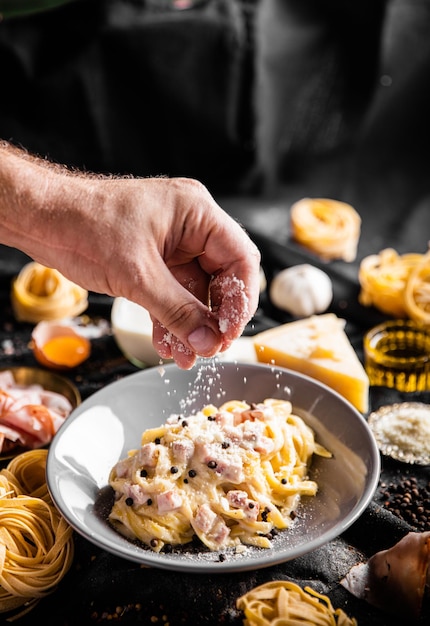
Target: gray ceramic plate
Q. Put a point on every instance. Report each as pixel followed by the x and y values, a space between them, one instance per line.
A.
pixel 109 423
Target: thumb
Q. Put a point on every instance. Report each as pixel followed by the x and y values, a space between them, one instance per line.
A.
pixel 183 324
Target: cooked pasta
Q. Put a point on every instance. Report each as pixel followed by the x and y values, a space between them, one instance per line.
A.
pixel 284 603
pixel 329 228
pixel 231 475
pixel 36 543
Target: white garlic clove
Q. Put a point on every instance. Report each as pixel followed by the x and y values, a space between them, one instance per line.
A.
pixel 301 290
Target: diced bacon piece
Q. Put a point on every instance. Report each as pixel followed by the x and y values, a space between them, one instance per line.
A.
pixel 148 455
pixel 252 510
pixel 224 418
pixel 252 431
pixel 253 414
pixel 122 467
pixel 239 499
pixel 204 518
pixel 264 445
pixel 220 532
pixel 253 434
pixel 230 467
pixel 204 451
pixel 182 450
pixel 233 434
pixel 133 491
pixel 168 501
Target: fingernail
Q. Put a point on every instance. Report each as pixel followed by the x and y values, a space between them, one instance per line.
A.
pixel 203 340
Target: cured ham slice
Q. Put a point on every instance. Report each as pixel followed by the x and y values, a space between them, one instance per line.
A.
pixel 29 415
pixel 395 580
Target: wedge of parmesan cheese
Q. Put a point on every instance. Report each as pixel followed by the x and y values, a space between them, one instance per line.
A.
pixel 318 347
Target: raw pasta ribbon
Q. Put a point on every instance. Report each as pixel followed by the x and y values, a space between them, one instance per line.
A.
pixel 36 543
pixel 398 285
pixel 284 603
pixel 40 293
pixel 329 228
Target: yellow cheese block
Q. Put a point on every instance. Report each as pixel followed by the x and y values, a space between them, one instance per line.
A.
pixel 318 347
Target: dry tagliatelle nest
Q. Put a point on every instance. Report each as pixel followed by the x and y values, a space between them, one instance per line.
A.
pixel 398 285
pixel 36 543
pixel 40 293
pixel 284 603
pixel 328 228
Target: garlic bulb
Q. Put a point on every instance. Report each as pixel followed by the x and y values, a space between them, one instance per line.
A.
pixel 301 290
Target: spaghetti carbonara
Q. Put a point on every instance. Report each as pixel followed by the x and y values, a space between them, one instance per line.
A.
pixel 231 475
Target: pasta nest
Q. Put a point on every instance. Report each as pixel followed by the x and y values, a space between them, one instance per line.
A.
pixel 398 285
pixel 40 293
pixel 329 228
pixel 284 603
pixel 36 543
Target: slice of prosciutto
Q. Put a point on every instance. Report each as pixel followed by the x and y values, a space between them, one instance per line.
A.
pixel 395 580
pixel 29 415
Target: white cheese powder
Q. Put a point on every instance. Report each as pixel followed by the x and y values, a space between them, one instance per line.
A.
pixel 403 431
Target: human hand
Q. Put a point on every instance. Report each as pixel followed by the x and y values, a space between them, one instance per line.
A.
pixel 198 275
pixel 162 243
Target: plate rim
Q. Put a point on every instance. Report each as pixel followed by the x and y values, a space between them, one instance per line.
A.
pixel 269 557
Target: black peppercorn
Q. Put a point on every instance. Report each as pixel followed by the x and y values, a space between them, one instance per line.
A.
pixel 409 501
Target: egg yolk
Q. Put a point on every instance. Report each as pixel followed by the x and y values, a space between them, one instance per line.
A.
pixel 69 351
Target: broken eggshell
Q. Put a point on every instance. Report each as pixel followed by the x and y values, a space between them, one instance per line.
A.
pixel 59 346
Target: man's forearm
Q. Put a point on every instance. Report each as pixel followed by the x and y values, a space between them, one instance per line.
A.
pixel 35 196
